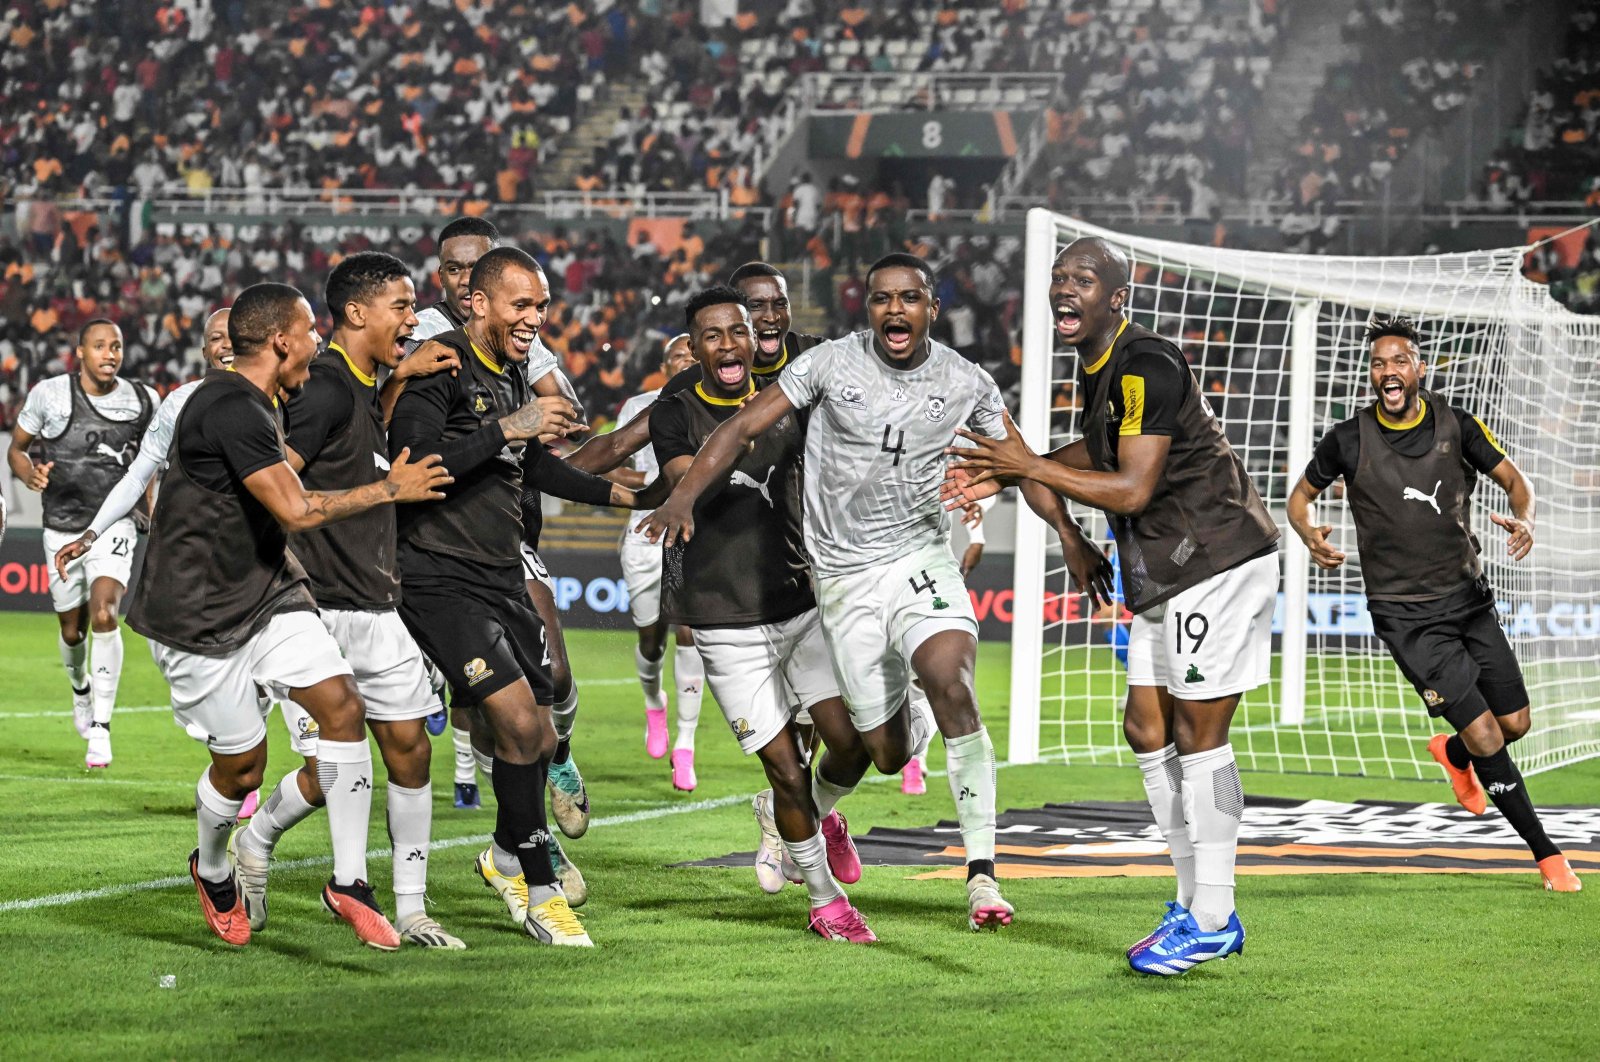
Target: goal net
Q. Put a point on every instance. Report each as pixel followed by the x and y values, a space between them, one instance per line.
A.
pixel 1276 343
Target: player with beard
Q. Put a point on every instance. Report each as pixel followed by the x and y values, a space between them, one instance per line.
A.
pixel 1430 600
pixel 744 586
pixel 1199 559
pixel 884 404
pixel 224 621
pixel 641 570
pixel 88 425
pixel 461 243
pixel 335 436
pixel 464 598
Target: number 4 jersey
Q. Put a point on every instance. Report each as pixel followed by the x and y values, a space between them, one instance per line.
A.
pixel 875 446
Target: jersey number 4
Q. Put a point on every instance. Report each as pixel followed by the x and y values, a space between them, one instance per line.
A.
pixel 926 584
pixel 899 447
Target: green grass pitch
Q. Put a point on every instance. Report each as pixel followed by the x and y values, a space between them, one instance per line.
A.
pixel 699 963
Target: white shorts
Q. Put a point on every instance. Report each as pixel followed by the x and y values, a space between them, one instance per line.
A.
pixel 302 728
pixel 641 570
pixel 389 668
pixel 1211 640
pixel 761 675
pixel 216 698
pixel 533 569
pixel 874 620
pixel 111 557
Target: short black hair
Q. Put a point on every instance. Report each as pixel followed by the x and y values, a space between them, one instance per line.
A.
pixel 360 277
pixel 755 269
pixel 83 333
pixel 470 226
pixel 716 295
pixel 492 266
pixel 260 312
pixel 905 261
pixel 1398 326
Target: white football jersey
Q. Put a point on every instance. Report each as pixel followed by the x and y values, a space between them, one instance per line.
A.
pixel 645 460
pixel 158 436
pixel 875 447
pixel 48 407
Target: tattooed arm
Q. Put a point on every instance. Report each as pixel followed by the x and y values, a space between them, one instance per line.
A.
pixel 279 489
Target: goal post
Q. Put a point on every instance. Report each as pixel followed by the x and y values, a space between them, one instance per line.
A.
pixel 1276 343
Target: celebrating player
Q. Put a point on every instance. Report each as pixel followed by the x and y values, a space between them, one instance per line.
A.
pixel 884 405
pixel 1430 600
pixel 225 621
pixel 1199 561
pixel 335 436
pixel 641 569
pixel 88 425
pixel 742 583
pixel 464 597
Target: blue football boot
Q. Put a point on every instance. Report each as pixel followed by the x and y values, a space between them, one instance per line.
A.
pixel 1185 945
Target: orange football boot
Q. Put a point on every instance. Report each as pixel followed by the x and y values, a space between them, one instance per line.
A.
pixel 1469 794
pixel 1558 875
pixel 232 925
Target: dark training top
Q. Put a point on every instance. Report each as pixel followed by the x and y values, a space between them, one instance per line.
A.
pixel 746 564
pixel 218 567
pixel 1410 491
pixel 457 416
pixel 1205 516
pixel 91 454
pixel 335 424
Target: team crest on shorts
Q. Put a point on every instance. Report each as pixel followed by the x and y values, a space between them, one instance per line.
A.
pixel 476 671
pixel 1432 698
pixel 307 727
pixel 936 408
pixel 742 729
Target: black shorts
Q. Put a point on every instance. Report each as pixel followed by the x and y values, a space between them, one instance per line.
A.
pixel 481 638
pixel 1461 666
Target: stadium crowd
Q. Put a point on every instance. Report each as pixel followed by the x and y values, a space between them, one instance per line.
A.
pixel 1409 65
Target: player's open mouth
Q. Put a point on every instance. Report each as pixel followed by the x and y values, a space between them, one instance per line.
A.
pixel 226 361
pixel 522 340
pixel 400 343
pixel 897 337
pixel 1393 390
pixel 1068 321
pixel 769 340
pixel 731 373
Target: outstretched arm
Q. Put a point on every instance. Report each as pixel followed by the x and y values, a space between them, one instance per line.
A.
pixel 603 453
pixel 1520 523
pixel 674 521
pixel 279 489
pixel 1126 491
pixel 1315 538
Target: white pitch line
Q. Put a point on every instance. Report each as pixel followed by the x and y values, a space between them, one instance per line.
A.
pixel 62 899
pixel 147 708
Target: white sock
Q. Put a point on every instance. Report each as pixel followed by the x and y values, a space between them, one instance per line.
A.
pixel 106 673
pixel 485 761
pixel 969 760
pixel 689 674
pixel 280 811
pixel 810 856
pixel 410 825
pixel 75 659
pixel 344 769
pixel 826 794
pixel 1163 787
pixel 923 725
pixel 1213 804
pixel 565 713
pixel 215 815
pixel 650 677
pixel 462 739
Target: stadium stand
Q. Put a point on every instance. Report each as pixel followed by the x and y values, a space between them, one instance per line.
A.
pixel 1410 65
